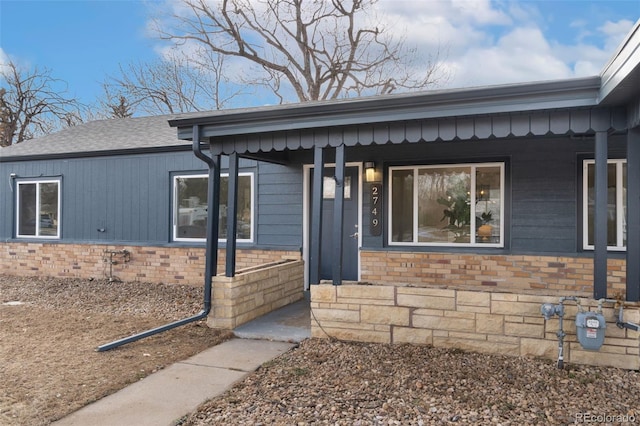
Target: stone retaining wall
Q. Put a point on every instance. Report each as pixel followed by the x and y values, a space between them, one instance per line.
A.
pixel 254 292
pixel 468 319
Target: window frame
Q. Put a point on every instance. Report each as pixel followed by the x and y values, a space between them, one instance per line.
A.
pixel 473 231
pixel 174 206
pixel 621 220
pixel 38 182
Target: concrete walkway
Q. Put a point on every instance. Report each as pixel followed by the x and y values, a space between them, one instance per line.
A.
pixel 167 395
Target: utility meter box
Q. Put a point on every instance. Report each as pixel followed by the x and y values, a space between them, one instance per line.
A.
pixel 590 327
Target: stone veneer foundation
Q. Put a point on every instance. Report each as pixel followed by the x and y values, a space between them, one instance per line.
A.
pixel 172 265
pixel 479 320
pixel 484 303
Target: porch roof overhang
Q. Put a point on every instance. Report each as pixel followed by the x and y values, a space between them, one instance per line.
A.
pixel 553 107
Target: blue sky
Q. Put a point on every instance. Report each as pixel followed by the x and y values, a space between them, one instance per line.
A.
pixel 484 42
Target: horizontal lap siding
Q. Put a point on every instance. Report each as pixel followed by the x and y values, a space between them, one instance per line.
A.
pixel 544 194
pixel 279 206
pixel 543 184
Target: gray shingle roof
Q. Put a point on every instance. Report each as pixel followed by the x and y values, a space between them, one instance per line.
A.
pixel 101 136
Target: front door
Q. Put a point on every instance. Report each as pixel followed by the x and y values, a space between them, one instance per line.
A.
pixel 350 225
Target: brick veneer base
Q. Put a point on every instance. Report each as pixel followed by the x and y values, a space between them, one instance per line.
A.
pixel 515 273
pixel 483 320
pixel 179 265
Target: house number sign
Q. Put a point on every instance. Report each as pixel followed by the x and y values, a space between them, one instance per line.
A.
pixel 375 209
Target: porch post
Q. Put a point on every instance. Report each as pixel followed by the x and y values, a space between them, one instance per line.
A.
pixel 316 215
pixel 232 215
pixel 338 216
pixel 213 215
pixel 633 214
pixel 600 217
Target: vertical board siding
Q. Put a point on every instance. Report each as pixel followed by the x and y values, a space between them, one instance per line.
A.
pixel 130 196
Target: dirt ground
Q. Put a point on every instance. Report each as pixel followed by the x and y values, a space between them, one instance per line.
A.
pixel 50 328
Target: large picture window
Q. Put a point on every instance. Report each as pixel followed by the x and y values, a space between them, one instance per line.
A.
pixel 616 204
pixel 38 212
pixel 458 204
pixel 190 207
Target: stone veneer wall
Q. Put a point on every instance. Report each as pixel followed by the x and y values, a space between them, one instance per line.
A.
pixel 254 292
pixel 515 273
pixel 179 265
pixel 468 319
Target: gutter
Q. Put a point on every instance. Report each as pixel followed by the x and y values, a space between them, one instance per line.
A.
pixel 211 253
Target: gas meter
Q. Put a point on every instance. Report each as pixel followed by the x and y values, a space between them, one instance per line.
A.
pixel 590 328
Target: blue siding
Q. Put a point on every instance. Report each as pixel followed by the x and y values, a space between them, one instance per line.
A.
pixel 279 205
pixel 542 188
pixel 130 195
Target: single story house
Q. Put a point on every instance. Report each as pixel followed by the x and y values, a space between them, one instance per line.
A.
pixel 444 217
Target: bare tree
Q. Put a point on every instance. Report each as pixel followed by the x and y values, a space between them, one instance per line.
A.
pixel 122 109
pixel 311 49
pixel 32 104
pixel 171 85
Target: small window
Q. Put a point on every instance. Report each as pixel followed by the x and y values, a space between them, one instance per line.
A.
pixel 432 205
pixel 190 207
pixel 38 211
pixel 616 204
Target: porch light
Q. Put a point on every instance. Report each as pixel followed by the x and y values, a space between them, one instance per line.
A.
pixel 369 171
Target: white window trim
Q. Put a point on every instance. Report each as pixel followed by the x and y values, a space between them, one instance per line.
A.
pixel 199 240
pixel 37 182
pixel 415 242
pixel 620 218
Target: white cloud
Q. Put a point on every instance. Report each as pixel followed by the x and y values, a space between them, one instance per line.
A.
pixel 486 42
pixel 521 55
pixel 615 32
pixel 494 42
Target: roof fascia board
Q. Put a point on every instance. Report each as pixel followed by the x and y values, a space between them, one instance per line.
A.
pixel 625 60
pixel 88 154
pixel 581 92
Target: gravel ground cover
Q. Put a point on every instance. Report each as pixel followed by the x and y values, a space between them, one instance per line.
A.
pixel 340 383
